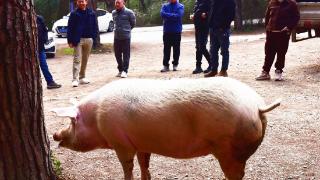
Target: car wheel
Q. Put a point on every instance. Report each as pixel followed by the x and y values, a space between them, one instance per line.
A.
pixel 50 55
pixel 111 26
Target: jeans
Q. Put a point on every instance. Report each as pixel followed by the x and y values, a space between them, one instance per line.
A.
pixel 276 43
pixel 122 53
pixel 201 33
pixel 171 40
pixel 44 67
pixel 81 56
pixel 219 39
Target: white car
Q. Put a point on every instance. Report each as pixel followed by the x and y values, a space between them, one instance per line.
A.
pixel 50 46
pixel 105 23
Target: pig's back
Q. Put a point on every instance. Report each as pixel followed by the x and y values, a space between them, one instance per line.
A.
pixel 178 118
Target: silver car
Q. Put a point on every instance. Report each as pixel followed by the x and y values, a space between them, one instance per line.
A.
pixel 50 46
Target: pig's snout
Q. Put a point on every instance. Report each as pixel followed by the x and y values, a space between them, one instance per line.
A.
pixel 57 136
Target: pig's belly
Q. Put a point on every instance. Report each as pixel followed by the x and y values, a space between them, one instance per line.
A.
pixel 191 149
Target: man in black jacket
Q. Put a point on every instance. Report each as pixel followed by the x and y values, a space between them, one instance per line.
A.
pixel 221 15
pixel 200 19
pixel 42 39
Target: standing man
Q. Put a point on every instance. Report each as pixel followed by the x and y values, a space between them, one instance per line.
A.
pixel 221 15
pixel 200 19
pixel 42 39
pixel 82 30
pixel 281 17
pixel 171 13
pixel 124 20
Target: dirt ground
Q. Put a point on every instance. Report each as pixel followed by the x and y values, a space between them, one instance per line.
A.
pixel 291 147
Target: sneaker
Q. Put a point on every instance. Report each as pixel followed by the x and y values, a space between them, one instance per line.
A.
pixel 84 81
pixel 211 74
pixel 119 74
pixel 278 75
pixel 175 67
pixel 263 76
pixel 197 70
pixel 53 85
pixel 165 69
pixel 123 75
pixel 223 73
pixel 75 83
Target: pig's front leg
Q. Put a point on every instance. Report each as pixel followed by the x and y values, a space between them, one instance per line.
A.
pixel 126 159
pixel 144 159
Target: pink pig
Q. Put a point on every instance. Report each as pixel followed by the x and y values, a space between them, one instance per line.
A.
pixel 179 118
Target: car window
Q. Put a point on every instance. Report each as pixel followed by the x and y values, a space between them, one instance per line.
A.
pixel 101 13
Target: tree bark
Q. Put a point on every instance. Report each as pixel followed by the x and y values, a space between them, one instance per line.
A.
pixel 238 22
pixel 143 5
pixel 24 144
pixel 93 5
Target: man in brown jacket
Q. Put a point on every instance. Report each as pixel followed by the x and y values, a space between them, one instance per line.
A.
pixel 281 17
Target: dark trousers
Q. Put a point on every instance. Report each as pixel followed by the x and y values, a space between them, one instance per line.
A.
pixel 219 39
pixel 171 40
pixel 276 43
pixel 122 53
pixel 44 67
pixel 201 33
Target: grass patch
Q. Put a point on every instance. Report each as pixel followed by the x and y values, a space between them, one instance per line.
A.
pixel 64 51
pixel 101 49
pixel 56 164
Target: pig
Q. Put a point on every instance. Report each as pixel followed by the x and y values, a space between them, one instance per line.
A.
pixel 178 118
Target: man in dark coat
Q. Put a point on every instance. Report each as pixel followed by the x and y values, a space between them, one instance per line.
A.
pixel 200 19
pixel 42 39
pixel 281 17
pixel 221 15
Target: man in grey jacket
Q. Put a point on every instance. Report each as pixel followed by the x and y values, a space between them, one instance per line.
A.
pixel 124 20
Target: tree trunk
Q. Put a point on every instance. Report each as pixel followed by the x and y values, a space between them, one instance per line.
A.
pixel 24 144
pixel 93 5
pixel 143 5
pixel 238 22
pixel 110 5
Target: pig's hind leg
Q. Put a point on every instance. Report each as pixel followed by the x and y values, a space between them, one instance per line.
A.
pixel 144 159
pixel 232 168
pixel 231 164
pixel 126 159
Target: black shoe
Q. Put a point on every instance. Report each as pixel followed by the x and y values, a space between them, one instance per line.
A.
pixel 207 70
pixel 197 70
pixel 165 69
pixel 211 74
pixel 53 85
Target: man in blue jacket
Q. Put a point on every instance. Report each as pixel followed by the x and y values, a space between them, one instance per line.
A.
pixel 221 15
pixel 200 19
pixel 82 30
pixel 42 39
pixel 171 13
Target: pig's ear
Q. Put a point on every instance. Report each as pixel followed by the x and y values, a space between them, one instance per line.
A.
pixel 66 112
